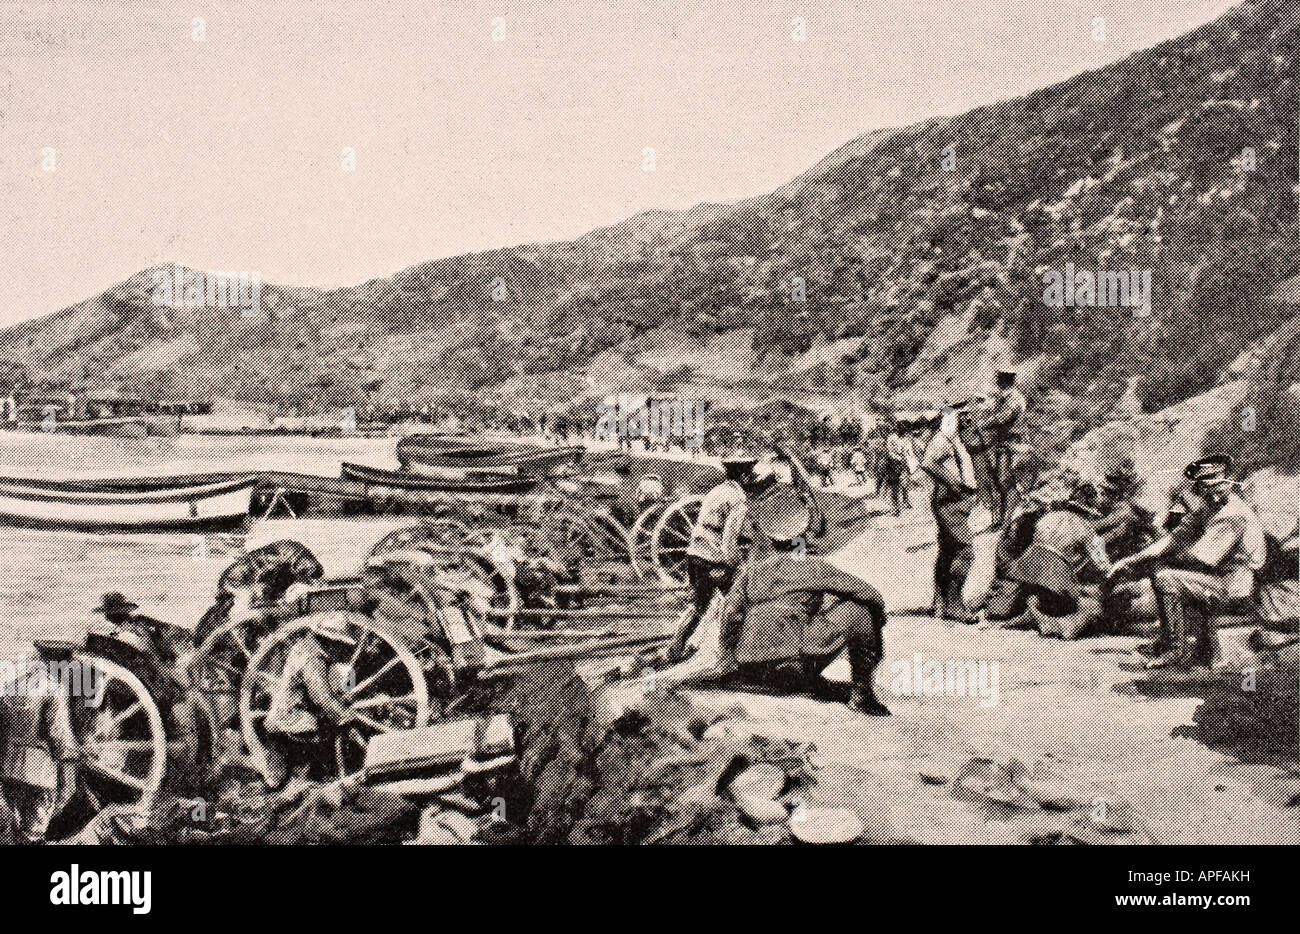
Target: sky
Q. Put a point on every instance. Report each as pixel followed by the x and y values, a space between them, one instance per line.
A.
pixel 133 134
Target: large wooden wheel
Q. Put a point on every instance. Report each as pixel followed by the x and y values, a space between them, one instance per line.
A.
pixel 611 539
pixel 216 670
pixel 117 736
pixel 489 582
pixel 572 537
pixel 427 608
pixel 640 540
pixel 377 678
pixel 672 536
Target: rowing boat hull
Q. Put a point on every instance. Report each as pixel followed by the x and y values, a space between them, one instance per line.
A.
pixel 203 507
pixel 120 486
pixel 482 483
pixel 417 451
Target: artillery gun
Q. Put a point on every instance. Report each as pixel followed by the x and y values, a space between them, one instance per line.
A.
pixel 108 722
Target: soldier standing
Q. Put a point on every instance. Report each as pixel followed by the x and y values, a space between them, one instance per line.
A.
pixel 948 464
pixel 858 461
pixel 714 552
pixel 999 424
pixel 876 457
pixel 895 472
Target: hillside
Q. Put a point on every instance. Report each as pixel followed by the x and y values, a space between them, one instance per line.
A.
pixel 886 270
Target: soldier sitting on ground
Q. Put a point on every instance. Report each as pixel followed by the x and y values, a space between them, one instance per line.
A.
pixel 1123 525
pixel 1064 562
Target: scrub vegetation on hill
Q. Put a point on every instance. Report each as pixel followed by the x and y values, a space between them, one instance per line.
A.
pixel 1179 160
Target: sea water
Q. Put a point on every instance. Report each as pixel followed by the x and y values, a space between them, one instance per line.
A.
pixel 51 580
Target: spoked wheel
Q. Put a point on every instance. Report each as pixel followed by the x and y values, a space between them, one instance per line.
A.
pixel 575 539
pixel 490 583
pixel 374 675
pixel 118 739
pixel 640 540
pixel 218 665
pixel 419 607
pixel 611 539
pixel 672 536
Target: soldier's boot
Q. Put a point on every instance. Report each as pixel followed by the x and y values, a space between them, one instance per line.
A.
pixel 863 662
pixel 862 698
pixel 1162 642
pixel 1182 644
pixel 1201 641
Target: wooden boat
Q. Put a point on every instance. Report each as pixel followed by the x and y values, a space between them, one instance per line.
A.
pixel 310 495
pixel 122 485
pixel 115 505
pixel 470 483
pixel 422 451
pixel 458 472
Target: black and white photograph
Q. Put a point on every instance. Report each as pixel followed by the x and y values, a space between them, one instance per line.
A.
pixel 602 423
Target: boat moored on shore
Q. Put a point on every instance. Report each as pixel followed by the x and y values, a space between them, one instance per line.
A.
pixel 158 504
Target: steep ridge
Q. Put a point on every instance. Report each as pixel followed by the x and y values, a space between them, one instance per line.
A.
pixel 1178 163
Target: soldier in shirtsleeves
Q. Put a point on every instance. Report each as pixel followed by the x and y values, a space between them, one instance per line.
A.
pixel 953 497
pixel 1218 547
pixel 713 555
pixel 306 702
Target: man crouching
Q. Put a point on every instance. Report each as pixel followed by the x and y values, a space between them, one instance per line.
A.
pixel 779 630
